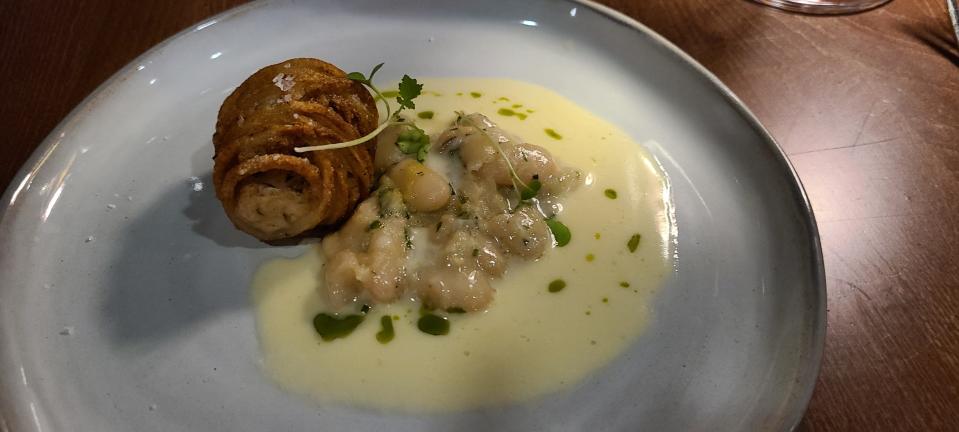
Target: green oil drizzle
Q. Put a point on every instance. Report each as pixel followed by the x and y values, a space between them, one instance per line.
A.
pixel 633 243
pixel 553 134
pixel 476 95
pixel 590 257
pixel 425 115
pixel 433 324
pixel 386 333
pixel 556 286
pixel 624 284
pixel 610 193
pixel 331 327
pixel 510 113
pixel 390 93
pixel 517 105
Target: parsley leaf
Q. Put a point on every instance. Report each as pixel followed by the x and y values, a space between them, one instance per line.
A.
pixel 409 90
pixel 414 141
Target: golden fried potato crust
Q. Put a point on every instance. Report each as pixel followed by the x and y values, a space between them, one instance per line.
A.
pixel 267 189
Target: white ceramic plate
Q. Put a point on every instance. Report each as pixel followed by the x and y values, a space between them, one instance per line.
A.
pixel 124 299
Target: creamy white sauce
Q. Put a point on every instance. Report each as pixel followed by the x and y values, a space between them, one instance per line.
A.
pixel 529 342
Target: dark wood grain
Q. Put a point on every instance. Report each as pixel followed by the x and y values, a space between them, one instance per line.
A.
pixel 866 106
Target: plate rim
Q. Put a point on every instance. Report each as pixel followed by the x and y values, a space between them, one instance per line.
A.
pixel 814 361
pixel 28 171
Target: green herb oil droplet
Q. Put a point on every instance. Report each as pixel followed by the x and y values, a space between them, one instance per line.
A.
pixel 433 324
pixel 332 327
pixel 386 333
pixel 510 113
pixel 553 134
pixel 633 243
pixel 556 286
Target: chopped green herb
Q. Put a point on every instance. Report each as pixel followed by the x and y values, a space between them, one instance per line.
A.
pixel 553 134
pixel 386 333
pixel 331 327
pixel 433 324
pixel 476 95
pixel 560 232
pixel 374 225
pixel 391 202
pixel 633 242
pixel 425 115
pixel 605 300
pixel 624 284
pixel 610 193
pixel 556 286
pixel 590 257
pixel 408 90
pixel 414 141
pixel 596 236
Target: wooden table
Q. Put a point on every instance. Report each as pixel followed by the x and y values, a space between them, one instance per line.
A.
pixel 866 107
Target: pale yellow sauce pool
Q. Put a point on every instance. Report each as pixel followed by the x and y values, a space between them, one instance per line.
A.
pixel 530 342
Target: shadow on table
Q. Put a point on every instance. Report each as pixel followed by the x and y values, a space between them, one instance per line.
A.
pixel 940 38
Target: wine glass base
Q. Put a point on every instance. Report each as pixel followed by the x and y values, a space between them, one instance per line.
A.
pixel 824 7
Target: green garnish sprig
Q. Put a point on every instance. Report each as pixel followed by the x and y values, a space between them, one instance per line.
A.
pixel 526 191
pixel 408 90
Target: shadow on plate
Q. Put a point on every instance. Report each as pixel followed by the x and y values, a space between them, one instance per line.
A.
pixel 181 262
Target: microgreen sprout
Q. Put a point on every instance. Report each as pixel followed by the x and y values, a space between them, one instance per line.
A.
pixel 524 190
pixel 408 90
pixel 560 231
